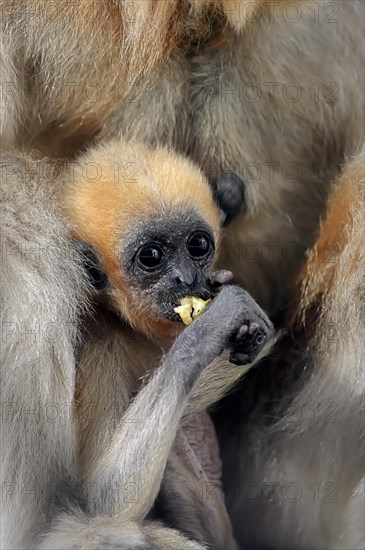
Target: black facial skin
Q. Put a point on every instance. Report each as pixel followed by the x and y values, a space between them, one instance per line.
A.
pixel 167 257
pixel 163 258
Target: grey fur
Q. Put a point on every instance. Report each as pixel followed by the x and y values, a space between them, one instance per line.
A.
pixel 41 299
pixel 119 451
pixel 184 104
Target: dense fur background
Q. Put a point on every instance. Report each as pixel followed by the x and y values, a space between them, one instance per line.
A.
pixel 269 91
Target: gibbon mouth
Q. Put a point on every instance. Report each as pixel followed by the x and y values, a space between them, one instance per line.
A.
pixel 167 309
pixel 172 316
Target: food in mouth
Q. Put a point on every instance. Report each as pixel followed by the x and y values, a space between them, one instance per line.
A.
pixel 190 307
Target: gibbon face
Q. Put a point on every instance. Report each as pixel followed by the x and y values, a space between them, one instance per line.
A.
pixel 149 233
pixel 167 257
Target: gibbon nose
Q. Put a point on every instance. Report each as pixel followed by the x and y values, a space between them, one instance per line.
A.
pixel 183 277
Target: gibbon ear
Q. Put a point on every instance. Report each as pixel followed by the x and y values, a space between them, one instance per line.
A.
pixel 96 276
pixel 229 192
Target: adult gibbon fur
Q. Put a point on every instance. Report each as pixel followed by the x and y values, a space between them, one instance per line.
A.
pixel 268 95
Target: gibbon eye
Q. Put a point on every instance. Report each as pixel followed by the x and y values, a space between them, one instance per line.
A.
pixel 150 257
pixel 199 245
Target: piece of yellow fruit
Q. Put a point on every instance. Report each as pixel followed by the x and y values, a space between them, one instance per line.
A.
pixel 198 306
pixel 185 313
pixel 190 308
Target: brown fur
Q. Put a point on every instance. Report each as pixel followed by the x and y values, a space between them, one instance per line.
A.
pixel 343 223
pixel 178 74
